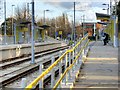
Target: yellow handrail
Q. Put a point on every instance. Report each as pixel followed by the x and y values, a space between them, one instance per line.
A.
pixel 32 84
pixel 44 73
pixel 67 69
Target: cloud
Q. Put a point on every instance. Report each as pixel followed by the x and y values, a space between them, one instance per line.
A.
pixel 66 5
pixel 70 5
pixel 80 4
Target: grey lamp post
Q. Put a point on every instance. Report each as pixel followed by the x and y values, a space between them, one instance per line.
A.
pixel 55 29
pixel 83 25
pixel 107 8
pixel 72 27
pixel 5 22
pixel 44 16
pixel 12 18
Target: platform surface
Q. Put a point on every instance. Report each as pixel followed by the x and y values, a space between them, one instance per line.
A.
pixel 100 69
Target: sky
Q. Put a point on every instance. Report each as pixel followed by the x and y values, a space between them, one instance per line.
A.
pixel 57 7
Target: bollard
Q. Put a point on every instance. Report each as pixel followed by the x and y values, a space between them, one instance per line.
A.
pixel 23 83
pixel 40 72
pixel 53 73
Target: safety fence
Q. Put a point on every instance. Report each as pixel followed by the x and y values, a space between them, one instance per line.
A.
pixel 72 59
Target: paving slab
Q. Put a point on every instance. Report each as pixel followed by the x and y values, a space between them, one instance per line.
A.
pixel 100 69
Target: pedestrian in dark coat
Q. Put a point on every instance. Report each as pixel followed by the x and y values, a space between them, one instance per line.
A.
pixel 106 38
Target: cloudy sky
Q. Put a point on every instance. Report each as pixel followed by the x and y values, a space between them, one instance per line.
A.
pixel 57 7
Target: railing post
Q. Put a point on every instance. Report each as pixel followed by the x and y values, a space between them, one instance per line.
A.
pixel 23 83
pixel 40 71
pixel 60 68
pixel 80 58
pixel 69 63
pixel 84 52
pixel 73 59
pixel 66 61
pixel 53 73
pixel 78 52
pixel 85 48
pixel 83 55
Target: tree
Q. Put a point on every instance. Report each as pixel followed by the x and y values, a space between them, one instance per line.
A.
pixel 8 26
pixel 60 23
pixel 21 15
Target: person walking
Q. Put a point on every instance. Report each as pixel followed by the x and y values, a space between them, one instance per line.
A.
pixel 106 38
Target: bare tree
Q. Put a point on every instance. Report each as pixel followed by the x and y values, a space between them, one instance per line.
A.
pixel 20 14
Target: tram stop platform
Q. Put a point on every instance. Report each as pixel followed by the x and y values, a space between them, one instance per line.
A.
pixel 101 69
pixel 11 51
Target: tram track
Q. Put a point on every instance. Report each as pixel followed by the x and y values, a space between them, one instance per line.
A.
pixel 28 69
pixel 25 59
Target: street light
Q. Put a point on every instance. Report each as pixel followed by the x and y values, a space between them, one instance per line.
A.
pixel 12 18
pixel 72 27
pixel 27 16
pixel 44 16
pixel 5 22
pixel 55 29
pixel 83 24
pixel 107 8
pixel 73 22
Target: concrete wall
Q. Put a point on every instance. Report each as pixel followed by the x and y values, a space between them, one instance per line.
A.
pixel 12 51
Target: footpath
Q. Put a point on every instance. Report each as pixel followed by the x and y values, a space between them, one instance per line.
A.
pixel 100 70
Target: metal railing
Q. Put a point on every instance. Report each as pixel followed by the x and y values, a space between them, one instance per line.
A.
pixel 69 63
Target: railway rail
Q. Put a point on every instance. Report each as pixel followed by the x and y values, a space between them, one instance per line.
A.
pixel 27 69
pixel 27 57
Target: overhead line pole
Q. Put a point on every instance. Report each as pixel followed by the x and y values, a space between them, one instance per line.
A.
pixel 116 43
pixel 32 40
pixel 74 23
